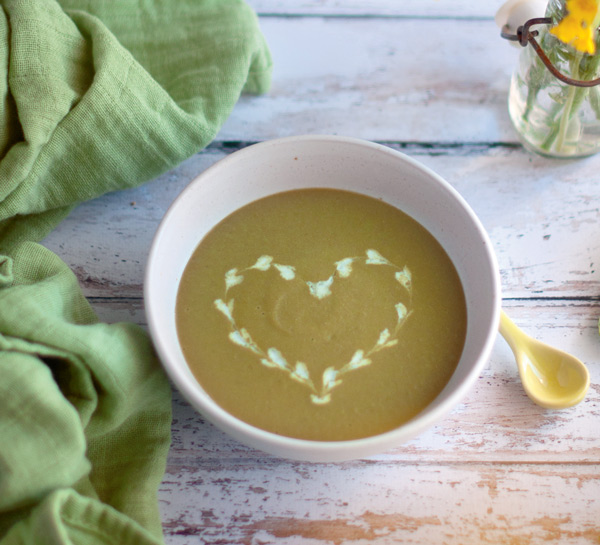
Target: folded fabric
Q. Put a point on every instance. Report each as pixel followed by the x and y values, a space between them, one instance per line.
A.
pixel 111 94
pixel 84 409
pixel 96 96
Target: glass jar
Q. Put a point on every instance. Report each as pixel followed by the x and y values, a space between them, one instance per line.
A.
pixel 554 118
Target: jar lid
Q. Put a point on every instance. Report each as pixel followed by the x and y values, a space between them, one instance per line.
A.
pixel 515 13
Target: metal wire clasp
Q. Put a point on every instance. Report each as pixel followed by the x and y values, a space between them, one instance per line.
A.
pixel 525 36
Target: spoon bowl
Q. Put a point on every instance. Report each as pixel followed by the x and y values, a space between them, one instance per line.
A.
pixel 551 378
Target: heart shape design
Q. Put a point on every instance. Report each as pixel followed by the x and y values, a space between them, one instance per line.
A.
pixel 274 358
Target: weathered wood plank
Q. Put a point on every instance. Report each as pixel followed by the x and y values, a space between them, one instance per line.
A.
pixel 543 223
pixel 541 215
pixel 382 8
pixel 362 503
pixel 397 80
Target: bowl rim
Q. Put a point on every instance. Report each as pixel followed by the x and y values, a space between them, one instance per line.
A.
pixel 306 449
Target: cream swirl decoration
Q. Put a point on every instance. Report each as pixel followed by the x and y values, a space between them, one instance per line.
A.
pixel 273 358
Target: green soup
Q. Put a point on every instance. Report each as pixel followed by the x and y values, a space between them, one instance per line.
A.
pixel 321 314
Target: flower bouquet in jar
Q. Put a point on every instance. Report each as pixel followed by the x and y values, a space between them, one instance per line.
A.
pixel 554 98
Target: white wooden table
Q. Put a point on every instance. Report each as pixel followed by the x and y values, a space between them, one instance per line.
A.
pixel 429 78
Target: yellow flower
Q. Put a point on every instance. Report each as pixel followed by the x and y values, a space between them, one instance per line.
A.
pixel 577 27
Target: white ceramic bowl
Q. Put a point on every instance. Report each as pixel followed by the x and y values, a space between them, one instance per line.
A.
pixel 339 163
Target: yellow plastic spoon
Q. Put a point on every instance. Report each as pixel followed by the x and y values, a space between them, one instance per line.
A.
pixel 551 378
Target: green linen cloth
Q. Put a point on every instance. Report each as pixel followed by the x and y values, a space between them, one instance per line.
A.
pixel 95 96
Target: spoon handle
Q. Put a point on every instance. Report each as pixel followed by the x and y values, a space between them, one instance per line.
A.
pixel 510 331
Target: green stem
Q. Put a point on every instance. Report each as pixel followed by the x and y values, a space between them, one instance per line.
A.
pixel 595 101
pixel 566 115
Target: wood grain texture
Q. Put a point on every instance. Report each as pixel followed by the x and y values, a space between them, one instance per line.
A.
pixel 426 503
pixel 428 78
pixel 358 77
pixel 378 8
pixel 541 217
